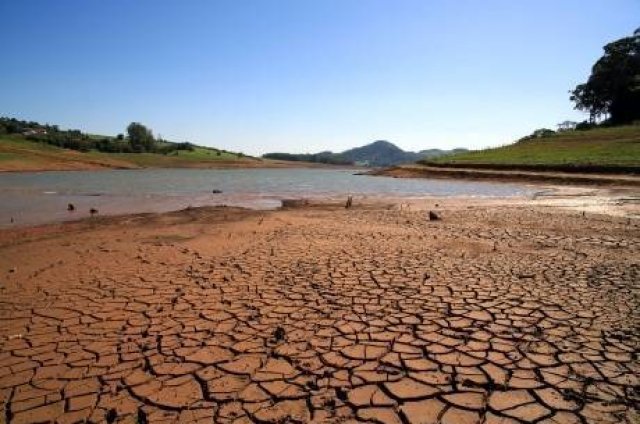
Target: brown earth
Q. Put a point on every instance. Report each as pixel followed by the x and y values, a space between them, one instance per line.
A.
pixel 83 164
pixel 554 177
pixel 493 314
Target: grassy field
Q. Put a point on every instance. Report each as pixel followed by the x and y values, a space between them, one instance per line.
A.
pixel 597 149
pixel 18 154
pixel 175 159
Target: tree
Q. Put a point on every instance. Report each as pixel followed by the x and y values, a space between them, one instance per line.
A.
pixel 613 88
pixel 140 138
pixel 542 133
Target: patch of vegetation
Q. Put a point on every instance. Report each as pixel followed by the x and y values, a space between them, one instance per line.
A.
pixel 322 157
pixel 176 158
pixel 8 156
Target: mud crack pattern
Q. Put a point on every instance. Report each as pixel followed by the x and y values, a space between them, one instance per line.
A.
pixel 356 316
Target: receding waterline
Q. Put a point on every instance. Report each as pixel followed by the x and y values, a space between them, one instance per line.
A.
pixel 38 197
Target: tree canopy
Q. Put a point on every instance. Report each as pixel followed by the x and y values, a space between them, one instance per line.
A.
pixel 613 88
pixel 140 137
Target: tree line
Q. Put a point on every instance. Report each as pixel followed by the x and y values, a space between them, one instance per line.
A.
pixel 323 157
pixel 138 139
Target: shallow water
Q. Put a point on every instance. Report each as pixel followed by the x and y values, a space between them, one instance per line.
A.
pixel 39 197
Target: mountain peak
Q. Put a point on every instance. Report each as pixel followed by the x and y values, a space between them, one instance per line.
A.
pixel 381 143
pixel 378 153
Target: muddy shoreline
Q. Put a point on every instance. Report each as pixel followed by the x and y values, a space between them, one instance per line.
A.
pixel 99 166
pixel 504 175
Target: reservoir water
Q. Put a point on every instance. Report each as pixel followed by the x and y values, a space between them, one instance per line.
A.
pixel 39 197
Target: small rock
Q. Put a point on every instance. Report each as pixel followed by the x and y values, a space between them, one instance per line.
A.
pixel 216 191
pixel 294 203
pixel 111 416
pixel 71 207
pixel 279 334
pixel 93 211
pixel 433 216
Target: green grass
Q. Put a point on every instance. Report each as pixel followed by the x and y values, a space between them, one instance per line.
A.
pixel 19 142
pixel 8 156
pixel 600 147
pixel 178 158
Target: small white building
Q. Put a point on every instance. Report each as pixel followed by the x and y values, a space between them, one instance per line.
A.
pixel 567 126
pixel 34 131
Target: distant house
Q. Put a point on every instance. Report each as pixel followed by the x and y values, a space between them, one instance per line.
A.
pixel 361 163
pixel 34 131
pixel 567 126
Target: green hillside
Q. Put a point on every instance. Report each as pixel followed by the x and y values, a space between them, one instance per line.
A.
pixel 32 146
pixel 19 154
pixel 596 149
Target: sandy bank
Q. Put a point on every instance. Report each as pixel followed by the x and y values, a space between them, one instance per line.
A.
pixel 420 171
pixel 84 165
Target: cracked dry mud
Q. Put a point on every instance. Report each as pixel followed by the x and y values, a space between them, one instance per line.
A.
pixel 320 315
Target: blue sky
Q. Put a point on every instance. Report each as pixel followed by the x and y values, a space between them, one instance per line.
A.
pixel 305 75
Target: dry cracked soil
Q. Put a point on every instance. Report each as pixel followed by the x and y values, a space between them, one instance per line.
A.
pixel 490 315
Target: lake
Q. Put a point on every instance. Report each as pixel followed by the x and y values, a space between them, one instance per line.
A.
pixel 39 197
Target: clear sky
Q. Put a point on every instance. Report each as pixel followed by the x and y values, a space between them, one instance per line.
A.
pixel 305 75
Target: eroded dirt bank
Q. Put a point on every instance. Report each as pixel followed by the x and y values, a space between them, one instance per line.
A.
pixel 530 176
pixel 496 314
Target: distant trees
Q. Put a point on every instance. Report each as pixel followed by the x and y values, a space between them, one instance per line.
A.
pixel 613 88
pixel 50 134
pixel 539 133
pixel 139 138
pixel 323 157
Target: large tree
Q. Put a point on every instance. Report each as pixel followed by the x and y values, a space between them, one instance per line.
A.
pixel 613 87
pixel 140 137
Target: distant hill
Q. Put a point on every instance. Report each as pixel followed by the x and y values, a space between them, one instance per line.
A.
pixel 378 153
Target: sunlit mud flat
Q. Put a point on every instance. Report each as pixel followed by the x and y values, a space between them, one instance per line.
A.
pixel 494 313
